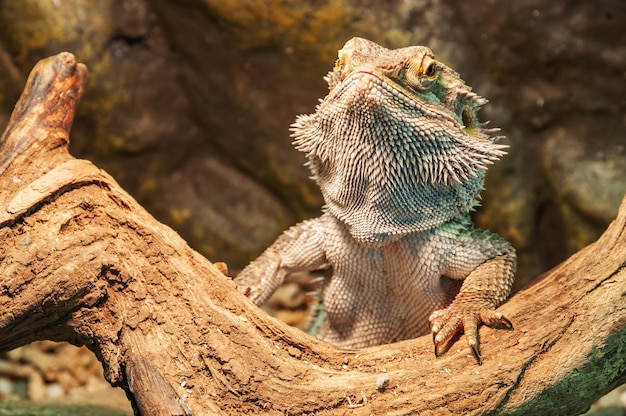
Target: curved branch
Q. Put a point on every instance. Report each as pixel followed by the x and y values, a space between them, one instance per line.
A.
pixel 81 261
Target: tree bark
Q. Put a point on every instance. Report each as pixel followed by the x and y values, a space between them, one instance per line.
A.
pixel 82 262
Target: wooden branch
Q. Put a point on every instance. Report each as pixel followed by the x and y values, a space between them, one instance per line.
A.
pixel 82 262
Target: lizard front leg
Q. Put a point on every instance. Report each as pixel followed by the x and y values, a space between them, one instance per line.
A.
pixel 300 248
pixel 486 263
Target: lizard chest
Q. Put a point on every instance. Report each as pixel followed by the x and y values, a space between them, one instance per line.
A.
pixel 390 290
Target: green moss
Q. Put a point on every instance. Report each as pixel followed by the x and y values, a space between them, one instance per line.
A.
pixel 605 367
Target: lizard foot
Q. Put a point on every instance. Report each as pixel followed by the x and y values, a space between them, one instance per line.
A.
pixel 446 323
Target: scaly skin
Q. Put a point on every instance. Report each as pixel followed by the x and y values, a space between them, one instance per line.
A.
pixel 400 156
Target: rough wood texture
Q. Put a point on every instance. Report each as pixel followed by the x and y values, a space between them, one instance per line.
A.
pixel 81 261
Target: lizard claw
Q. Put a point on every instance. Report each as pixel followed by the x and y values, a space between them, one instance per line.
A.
pixel 437 345
pixel 476 353
pixel 448 322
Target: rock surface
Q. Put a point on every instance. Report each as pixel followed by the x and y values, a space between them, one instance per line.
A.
pixel 189 104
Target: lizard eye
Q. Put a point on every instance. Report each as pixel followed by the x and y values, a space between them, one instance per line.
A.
pixel 422 73
pixel 431 70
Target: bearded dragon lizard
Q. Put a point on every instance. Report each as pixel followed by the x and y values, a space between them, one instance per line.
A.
pixel 400 156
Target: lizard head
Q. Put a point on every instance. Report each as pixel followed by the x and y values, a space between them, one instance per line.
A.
pixel 396 146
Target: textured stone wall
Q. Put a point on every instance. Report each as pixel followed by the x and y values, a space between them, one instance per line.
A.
pixel 189 103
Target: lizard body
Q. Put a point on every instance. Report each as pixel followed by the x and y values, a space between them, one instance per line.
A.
pixel 400 156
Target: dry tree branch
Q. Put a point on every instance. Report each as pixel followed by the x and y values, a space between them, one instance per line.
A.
pixel 82 262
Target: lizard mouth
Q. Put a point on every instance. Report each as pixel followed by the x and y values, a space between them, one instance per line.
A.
pixel 401 92
pixel 459 109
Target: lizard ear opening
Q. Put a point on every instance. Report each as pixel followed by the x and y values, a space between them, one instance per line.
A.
pixel 467 117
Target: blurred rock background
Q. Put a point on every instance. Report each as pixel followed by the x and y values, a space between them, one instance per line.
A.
pixel 188 105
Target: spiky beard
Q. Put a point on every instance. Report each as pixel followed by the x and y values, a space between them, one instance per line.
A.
pixel 389 164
